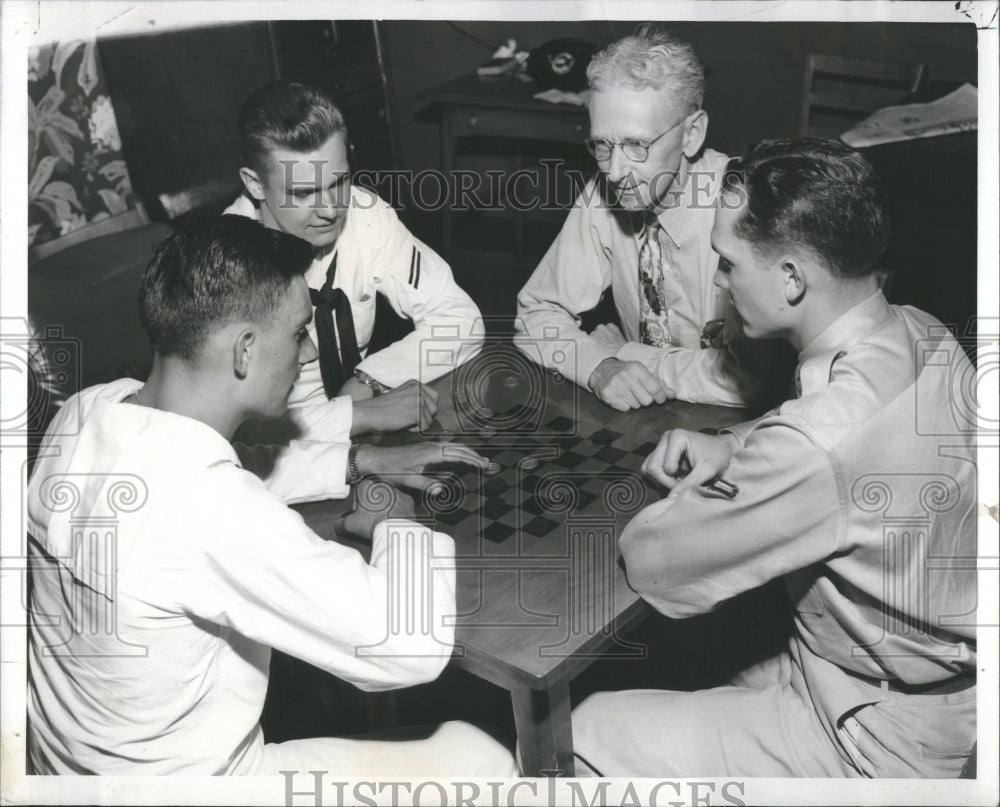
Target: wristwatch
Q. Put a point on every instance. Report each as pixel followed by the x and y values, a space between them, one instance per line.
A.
pixel 377 387
pixel 352 465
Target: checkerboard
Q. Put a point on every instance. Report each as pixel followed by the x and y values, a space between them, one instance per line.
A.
pixel 541 483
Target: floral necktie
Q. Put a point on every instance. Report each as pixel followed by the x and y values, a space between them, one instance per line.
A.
pixel 654 328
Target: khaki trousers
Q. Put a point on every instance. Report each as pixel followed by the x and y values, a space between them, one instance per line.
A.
pixel 765 725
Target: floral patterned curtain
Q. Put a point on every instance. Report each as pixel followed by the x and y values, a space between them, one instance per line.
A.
pixel 77 173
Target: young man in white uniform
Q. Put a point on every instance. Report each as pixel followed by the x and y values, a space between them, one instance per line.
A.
pixel 860 493
pixel 294 151
pixel 642 229
pixel 164 571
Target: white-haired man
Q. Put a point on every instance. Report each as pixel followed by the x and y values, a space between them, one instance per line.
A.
pixel 642 229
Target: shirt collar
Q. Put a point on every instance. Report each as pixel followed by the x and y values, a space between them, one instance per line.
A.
pixel 674 217
pixel 818 357
pixel 207 446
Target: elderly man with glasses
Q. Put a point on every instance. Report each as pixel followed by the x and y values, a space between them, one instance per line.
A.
pixel 642 228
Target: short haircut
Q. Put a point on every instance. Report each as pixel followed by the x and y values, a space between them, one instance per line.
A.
pixel 216 271
pixel 288 115
pixel 651 58
pixel 811 193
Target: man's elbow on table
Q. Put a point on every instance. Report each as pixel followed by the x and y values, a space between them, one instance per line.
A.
pixel 396 668
pixel 663 584
pixel 410 648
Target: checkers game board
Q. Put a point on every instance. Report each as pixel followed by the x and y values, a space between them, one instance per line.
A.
pixel 539 483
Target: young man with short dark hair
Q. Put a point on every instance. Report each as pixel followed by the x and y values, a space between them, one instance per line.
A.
pixel 164 571
pixel 860 492
pixel 296 173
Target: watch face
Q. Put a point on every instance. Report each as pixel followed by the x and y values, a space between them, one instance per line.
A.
pixel 377 387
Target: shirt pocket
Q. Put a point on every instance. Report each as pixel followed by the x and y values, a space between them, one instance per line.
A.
pixel 363 314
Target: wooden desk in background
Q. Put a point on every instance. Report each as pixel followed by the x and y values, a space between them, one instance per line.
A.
pixel 541 591
pixel 500 106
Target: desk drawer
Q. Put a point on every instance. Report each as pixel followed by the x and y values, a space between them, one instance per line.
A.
pixel 560 127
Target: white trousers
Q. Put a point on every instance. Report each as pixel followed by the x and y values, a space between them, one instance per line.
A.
pixel 449 750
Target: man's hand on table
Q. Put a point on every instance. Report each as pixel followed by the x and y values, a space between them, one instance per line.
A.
pixel 410 404
pixel 361 522
pixel 627 385
pixel 405 465
pixel 684 459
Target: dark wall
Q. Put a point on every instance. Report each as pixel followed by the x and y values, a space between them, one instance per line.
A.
pixel 754 87
pixel 176 96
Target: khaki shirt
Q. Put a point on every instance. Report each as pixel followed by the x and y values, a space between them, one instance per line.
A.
pixel 860 494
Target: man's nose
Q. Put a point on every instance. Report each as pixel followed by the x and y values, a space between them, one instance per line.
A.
pixel 619 167
pixel 721 279
pixel 308 351
pixel 331 203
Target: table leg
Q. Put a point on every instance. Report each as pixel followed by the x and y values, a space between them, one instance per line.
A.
pixel 544 730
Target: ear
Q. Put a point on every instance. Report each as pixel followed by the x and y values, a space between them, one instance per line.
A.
pixel 253 183
pixel 794 280
pixel 243 351
pixel 695 131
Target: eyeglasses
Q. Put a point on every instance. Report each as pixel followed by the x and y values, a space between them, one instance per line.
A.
pixel 635 150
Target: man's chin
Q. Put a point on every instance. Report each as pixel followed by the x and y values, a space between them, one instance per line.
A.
pixel 631 199
pixel 323 239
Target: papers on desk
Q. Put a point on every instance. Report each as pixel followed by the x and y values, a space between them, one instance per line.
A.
pixel 956 112
pixel 560 97
pixel 507 59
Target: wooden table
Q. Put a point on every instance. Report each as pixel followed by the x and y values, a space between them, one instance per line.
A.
pixel 538 606
pixel 500 106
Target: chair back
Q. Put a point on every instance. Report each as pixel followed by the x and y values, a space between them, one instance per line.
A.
pixel 841 91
